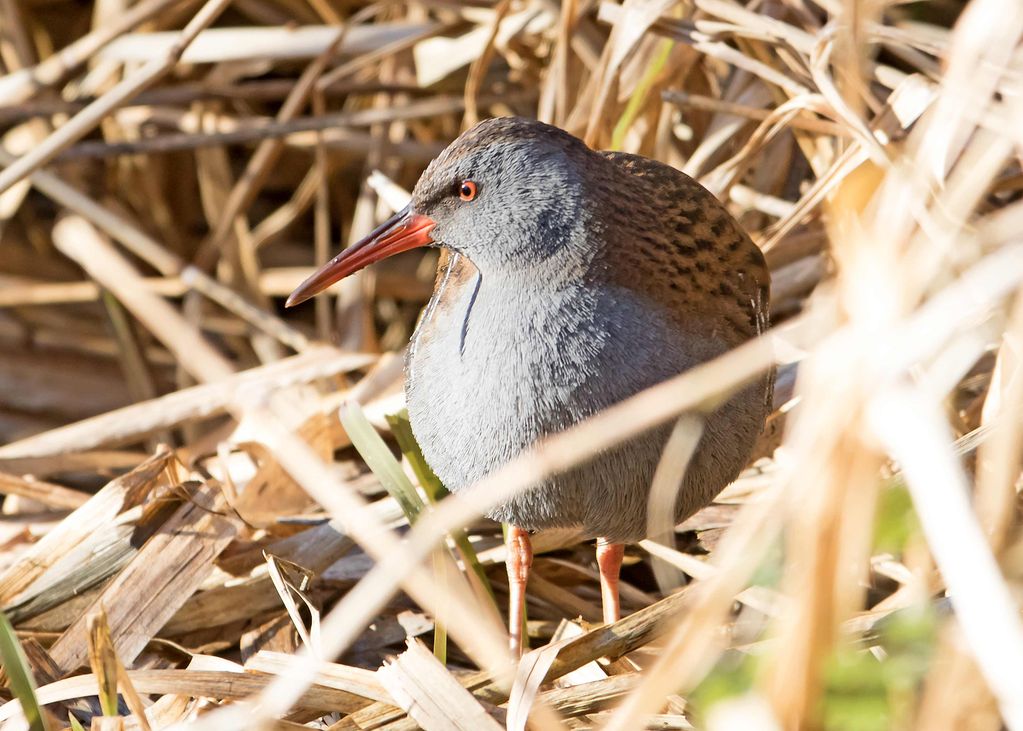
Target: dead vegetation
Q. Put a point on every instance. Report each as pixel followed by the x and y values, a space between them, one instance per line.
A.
pixel 192 538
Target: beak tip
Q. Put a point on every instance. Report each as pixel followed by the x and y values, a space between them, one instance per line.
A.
pixel 403 231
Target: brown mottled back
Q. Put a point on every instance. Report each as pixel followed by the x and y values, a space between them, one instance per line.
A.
pixel 690 254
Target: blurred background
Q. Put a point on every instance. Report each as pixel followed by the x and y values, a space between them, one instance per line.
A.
pixel 172 169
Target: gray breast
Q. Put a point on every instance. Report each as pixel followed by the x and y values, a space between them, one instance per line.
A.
pixel 506 362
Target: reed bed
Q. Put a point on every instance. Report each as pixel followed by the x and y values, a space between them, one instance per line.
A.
pixel 214 516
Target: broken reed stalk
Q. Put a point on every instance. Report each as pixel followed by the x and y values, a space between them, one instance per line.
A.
pixel 81 242
pixel 151 251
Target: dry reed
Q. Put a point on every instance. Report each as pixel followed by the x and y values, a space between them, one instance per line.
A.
pixel 188 538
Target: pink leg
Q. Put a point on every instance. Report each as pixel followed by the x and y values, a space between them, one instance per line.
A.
pixel 520 559
pixel 609 560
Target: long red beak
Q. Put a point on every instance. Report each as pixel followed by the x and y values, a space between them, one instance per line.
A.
pixel 403 231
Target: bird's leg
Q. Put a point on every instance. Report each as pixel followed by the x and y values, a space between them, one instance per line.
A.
pixel 519 561
pixel 609 561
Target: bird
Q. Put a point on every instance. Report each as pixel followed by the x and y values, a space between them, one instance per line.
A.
pixel 570 279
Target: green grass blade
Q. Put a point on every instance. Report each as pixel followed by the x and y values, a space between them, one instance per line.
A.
pixel 440 630
pixel 378 457
pixel 402 431
pixel 435 491
pixel 76 725
pixel 638 98
pixel 20 675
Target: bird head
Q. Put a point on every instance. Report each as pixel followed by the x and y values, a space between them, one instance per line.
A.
pixel 508 193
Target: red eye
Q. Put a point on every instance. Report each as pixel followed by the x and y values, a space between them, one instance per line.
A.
pixel 467 190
